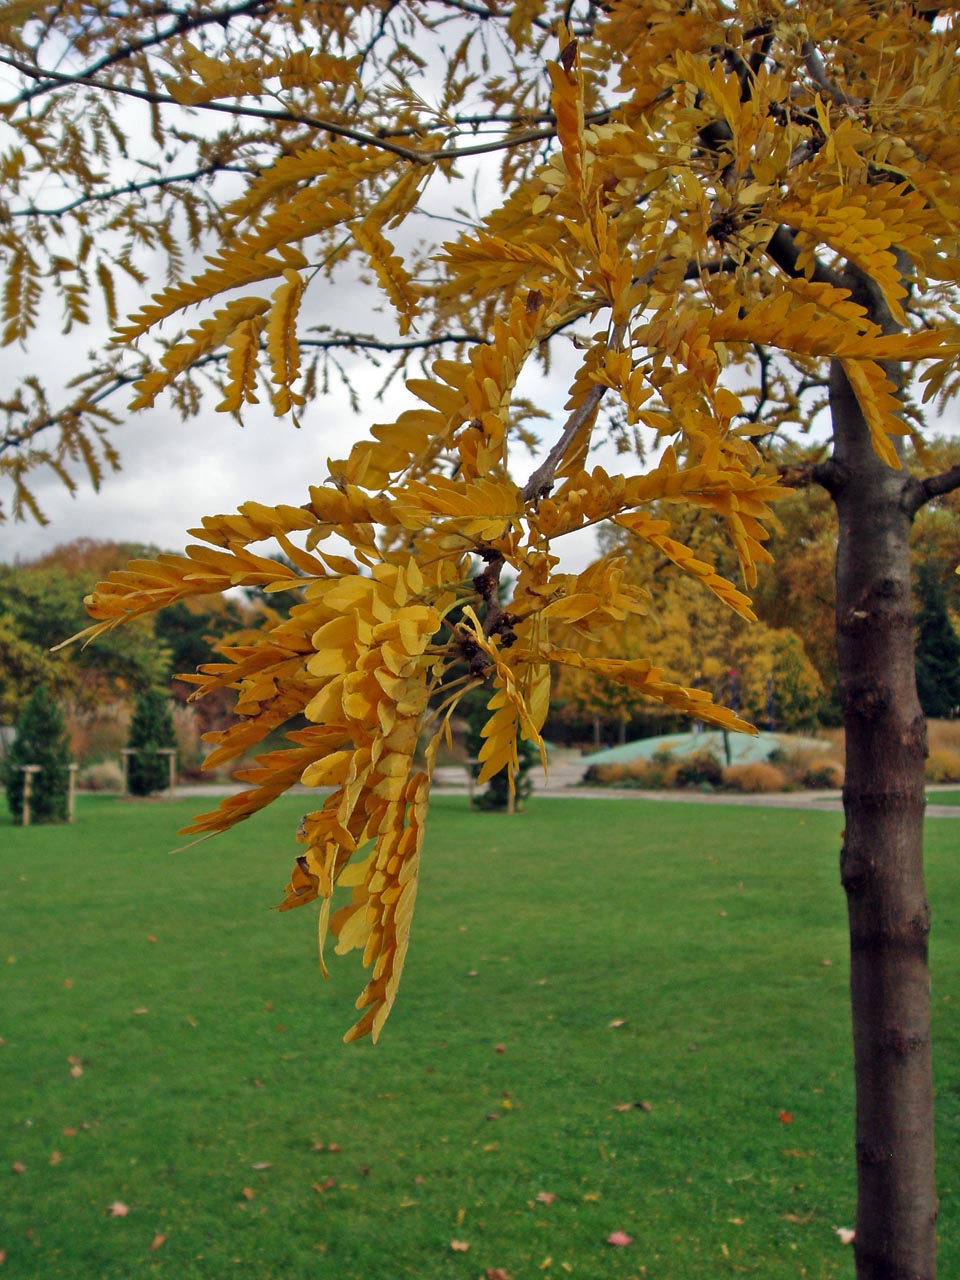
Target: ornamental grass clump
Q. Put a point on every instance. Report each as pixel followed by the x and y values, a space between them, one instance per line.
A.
pixel 943 766
pixel 755 777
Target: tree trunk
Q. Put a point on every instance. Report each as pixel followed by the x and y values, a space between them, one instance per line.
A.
pixel 881 860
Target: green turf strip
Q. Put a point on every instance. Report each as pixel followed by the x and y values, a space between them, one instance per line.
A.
pixel 716 935
pixel 943 797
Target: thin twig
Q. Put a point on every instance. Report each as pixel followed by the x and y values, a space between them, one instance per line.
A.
pixel 126 189
pixel 541 481
pixel 419 156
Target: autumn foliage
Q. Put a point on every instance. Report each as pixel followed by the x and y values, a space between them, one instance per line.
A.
pixel 706 173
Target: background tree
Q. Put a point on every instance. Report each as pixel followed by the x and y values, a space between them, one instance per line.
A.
pixel 151 730
pixel 741 215
pixel 41 604
pixel 938 649
pixel 694 632
pixel 497 796
pixel 41 739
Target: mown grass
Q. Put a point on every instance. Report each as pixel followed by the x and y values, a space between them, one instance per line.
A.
pixel 715 934
pixel 942 797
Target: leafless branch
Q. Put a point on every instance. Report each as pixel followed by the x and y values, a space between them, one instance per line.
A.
pixel 126 189
pixel 541 481
pixel 922 491
pixel 818 74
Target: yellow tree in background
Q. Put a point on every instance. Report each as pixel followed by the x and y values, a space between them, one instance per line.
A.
pixel 730 216
pixel 762 669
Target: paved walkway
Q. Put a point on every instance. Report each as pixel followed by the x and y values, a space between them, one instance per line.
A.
pixel 564 779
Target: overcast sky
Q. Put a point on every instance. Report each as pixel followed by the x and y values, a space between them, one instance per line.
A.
pixel 175 472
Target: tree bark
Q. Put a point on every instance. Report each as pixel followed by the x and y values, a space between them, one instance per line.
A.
pixel 881 861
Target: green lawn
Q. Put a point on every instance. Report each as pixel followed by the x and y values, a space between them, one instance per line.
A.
pixel 943 797
pixel 209 1045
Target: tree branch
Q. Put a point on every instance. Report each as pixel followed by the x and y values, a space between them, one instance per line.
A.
pixel 782 248
pixel 829 475
pixel 128 188
pixel 414 155
pixel 541 481
pixel 184 22
pixel 921 492
pixel 817 72
pixel 349 341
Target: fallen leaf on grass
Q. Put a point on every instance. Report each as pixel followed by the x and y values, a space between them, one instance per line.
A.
pixel 459 1246
pixel 70 1133
pixel 55 1157
pixel 785 1117
pixel 118 1209
pixel 248 1193
pixel 846 1235
pixel 545 1197
pixel 151 937
pixel 617 1022
pixel 76 1070
pixel 142 1009
pixel 157 1241
pixel 619 1238
pixel 17 1167
pixel 3 1256
pixel 499 1048
pixel 495 1273
pixel 68 983
pixel 324 1186
pixel 260 1165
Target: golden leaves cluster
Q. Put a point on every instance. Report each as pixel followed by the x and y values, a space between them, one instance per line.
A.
pixel 657 224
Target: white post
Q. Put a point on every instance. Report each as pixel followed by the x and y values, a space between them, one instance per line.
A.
pixel 72 791
pixel 171 755
pixel 28 771
pixel 125 754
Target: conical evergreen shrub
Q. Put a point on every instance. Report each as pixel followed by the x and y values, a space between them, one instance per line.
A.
pixel 497 794
pixel 151 730
pixel 938 648
pixel 41 738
